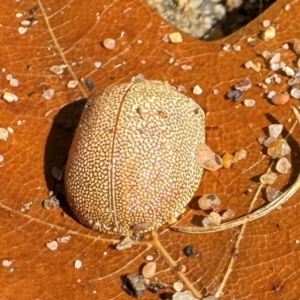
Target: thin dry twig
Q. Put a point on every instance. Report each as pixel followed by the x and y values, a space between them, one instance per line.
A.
pixel 252 216
pixel 158 246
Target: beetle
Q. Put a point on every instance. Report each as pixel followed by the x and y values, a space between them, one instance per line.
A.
pixel 132 165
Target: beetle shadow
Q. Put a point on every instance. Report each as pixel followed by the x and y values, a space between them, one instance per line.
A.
pixel 58 145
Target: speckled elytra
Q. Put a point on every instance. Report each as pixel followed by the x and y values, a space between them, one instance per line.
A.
pixel 132 164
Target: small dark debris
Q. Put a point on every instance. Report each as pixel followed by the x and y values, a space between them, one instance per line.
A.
pixel 218 160
pixel 141 114
pixel 243 85
pixel 276 287
pixel 235 252
pixel 196 111
pixel 135 285
pixel 211 197
pixel 90 84
pixel 234 95
pixel 52 202
pixel 29 67
pixel 33 10
pixel 32 20
pixel 30 94
pixel 56 173
pixel 162 114
pixel 157 286
pixel 188 251
pixel 64 214
pixel 141 226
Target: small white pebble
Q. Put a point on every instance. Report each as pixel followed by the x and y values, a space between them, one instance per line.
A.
pixel 78 264
pixel 139 41
pixel 275 130
pixel 97 64
pixel 9 76
pixel 248 64
pixel 109 43
pixel 285 46
pixel 186 295
pixel 215 92
pixel 72 84
pixel 19 122
pixel 262 85
pixel 275 58
pixel 78 280
pixel 6 263
pixel 64 239
pixel 149 257
pixel 226 47
pixel 237 48
pixel 181 88
pixel 266 54
pixel 105 253
pixel 186 67
pixel 48 94
pixel 22 30
pixel 295 93
pixel 9 97
pixel 1 158
pixel 25 23
pixel 268 80
pixel 53 245
pixel 118 66
pixel 278 80
pixel 3 134
pixel 137 77
pixel 249 102
pixel 197 90
pixel 171 60
pixel 266 23
pixel 10 130
pixel 271 94
pixel 14 82
pixel 228 214
pixel 58 69
pixel 297 241
pixel 250 40
pixel 275 66
pixel 288 71
pixel 19 15
pixel 178 286
pixel 287 7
